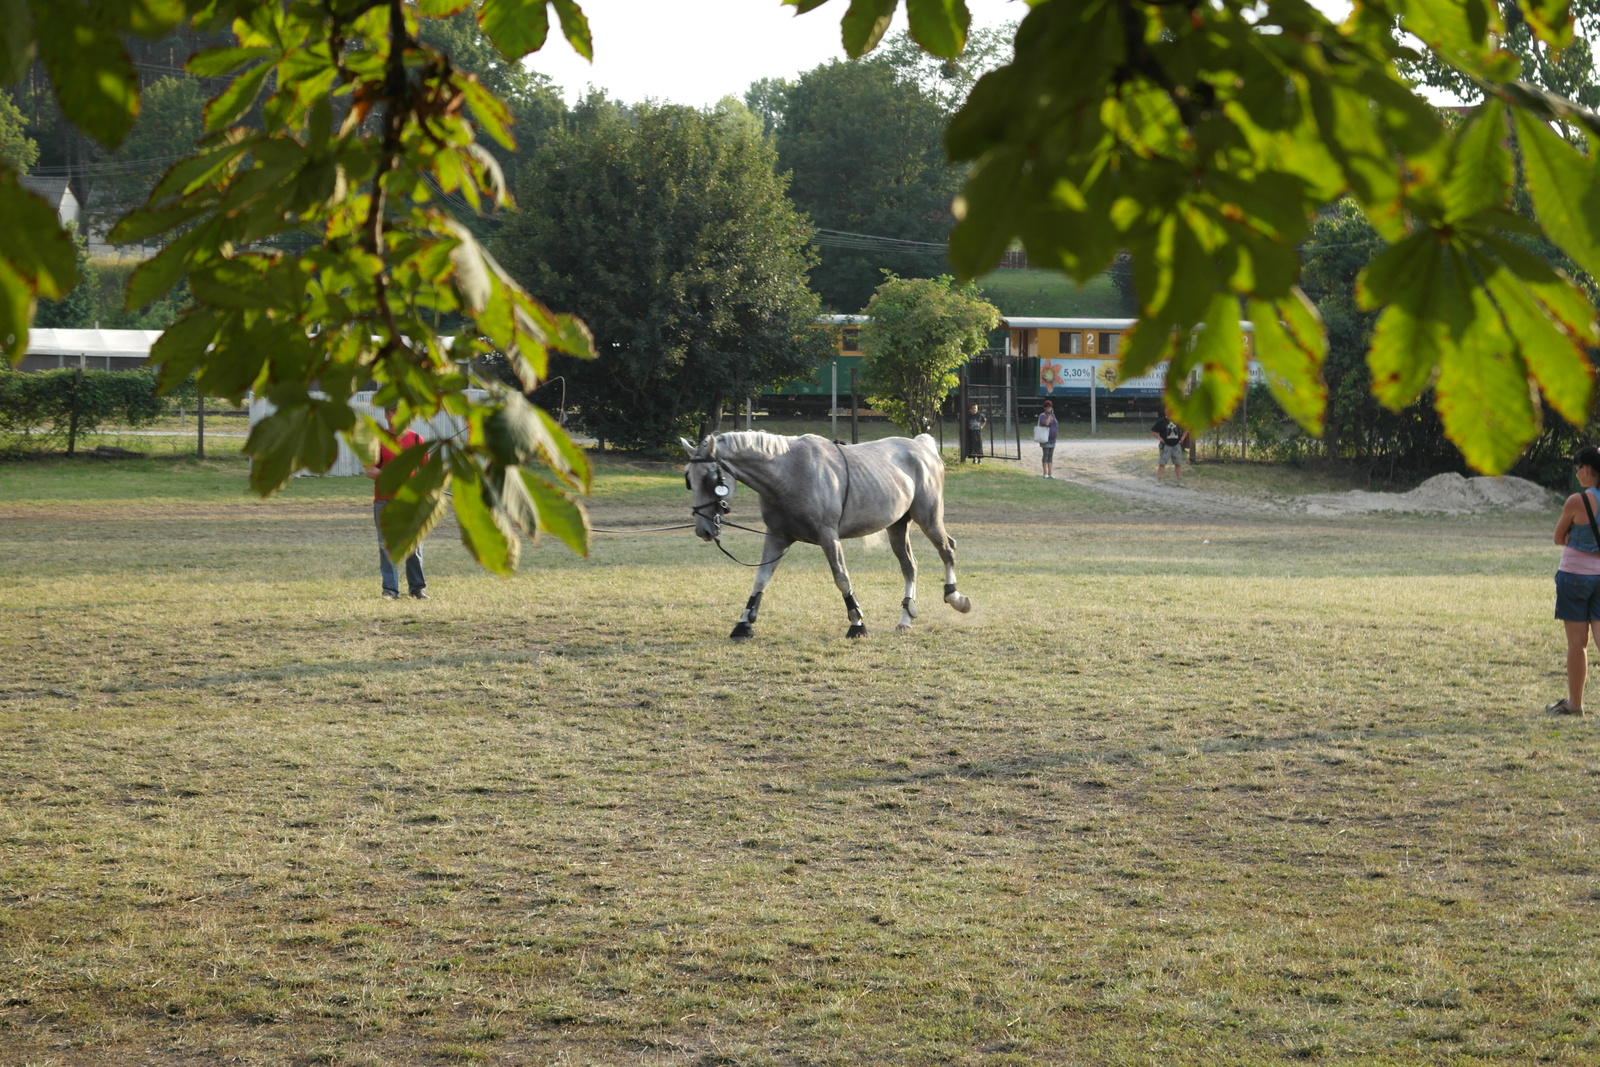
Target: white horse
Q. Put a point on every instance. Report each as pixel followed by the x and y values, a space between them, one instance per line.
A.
pixel 819 491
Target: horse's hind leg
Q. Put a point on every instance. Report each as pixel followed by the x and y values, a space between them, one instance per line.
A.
pixel 908 567
pixel 834 549
pixel 946 546
pixel 772 550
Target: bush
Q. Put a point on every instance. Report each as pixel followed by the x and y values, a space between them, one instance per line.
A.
pixel 37 410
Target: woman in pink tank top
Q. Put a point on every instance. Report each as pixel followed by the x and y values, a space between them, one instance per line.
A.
pixel 1578 577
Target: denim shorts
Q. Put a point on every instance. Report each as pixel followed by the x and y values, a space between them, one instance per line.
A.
pixel 1577 597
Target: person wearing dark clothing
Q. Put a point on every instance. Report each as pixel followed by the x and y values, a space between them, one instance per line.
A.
pixel 415 583
pixel 1172 437
pixel 976 421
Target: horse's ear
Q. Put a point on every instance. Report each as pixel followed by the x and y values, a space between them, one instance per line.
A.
pixel 687 447
pixel 710 445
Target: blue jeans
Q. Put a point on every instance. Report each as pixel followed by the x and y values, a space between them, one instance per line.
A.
pixel 391 578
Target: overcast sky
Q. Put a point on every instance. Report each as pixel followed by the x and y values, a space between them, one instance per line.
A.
pixel 698 51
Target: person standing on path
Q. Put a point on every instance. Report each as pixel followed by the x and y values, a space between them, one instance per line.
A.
pixel 1047 448
pixel 1171 436
pixel 415 583
pixel 1578 577
pixel 976 421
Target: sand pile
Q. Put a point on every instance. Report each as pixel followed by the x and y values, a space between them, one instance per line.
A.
pixel 1450 494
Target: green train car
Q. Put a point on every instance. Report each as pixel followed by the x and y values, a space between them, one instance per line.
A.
pixel 811 396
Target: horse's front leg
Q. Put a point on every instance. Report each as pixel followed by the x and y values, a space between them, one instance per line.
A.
pixel 772 550
pixel 834 549
pixel 908 568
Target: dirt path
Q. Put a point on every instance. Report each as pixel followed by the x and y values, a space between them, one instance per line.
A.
pixel 1125 468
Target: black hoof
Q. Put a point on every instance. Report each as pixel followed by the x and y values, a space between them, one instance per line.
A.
pixel 857 629
pixel 741 632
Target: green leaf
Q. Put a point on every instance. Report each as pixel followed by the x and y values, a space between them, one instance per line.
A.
pixel 491 113
pixel 1291 357
pixel 485 530
pixel 402 467
pixel 38 249
pixel 939 26
pixel 864 25
pixel 512 432
pixel 1562 185
pixel 1550 21
pixel 1555 353
pixel 155 277
pixel 1415 331
pixel 439 9
pixel 559 515
pixel 415 509
pixel 181 346
pixel 1482 393
pixel 1480 171
pixel 95 81
pixel 987 213
pixel 571 335
pixel 220 62
pixel 575 27
pixel 16 308
pixel 516 27
pixel 16 40
pixel 237 98
pixel 1218 353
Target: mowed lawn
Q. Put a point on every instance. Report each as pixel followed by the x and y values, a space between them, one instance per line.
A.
pixel 1177 791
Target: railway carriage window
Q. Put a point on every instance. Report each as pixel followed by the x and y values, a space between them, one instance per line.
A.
pixel 1070 343
pixel 1110 344
pixel 851 341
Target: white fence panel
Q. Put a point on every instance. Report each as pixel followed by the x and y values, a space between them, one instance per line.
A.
pixel 441 427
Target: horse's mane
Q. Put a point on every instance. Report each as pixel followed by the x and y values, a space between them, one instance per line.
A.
pixel 770 444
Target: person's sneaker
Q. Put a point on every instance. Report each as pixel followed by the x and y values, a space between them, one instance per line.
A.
pixel 387 595
pixel 418 594
pixel 1562 707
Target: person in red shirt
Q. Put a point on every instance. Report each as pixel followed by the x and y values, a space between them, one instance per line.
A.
pixel 415 583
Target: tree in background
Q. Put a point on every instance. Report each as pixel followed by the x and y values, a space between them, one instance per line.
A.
pixel 919 333
pixel 668 230
pixel 170 124
pixel 76 310
pixel 863 143
pixel 535 106
pixel 17 150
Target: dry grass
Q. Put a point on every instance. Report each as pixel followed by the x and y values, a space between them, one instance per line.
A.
pixel 1281 796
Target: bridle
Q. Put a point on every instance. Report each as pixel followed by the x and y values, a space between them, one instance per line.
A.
pixel 713 510
pixel 720 489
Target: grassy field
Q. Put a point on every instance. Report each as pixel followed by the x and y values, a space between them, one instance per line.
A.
pixel 1177 792
pixel 1049 293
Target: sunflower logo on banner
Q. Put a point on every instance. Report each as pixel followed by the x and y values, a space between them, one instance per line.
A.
pixel 1051 375
pixel 1107 373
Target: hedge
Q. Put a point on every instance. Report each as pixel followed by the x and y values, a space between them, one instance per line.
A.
pixel 42 410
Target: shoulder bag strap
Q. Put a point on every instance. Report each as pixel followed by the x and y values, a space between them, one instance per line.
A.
pixel 1590 509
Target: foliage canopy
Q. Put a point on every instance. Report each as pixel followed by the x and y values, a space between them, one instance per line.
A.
pixel 1202 137
pixel 668 230
pixel 918 333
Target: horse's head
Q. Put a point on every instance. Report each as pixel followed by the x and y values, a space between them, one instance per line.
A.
pixel 710 486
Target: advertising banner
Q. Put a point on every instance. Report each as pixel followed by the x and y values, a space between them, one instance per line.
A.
pixel 1070 377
